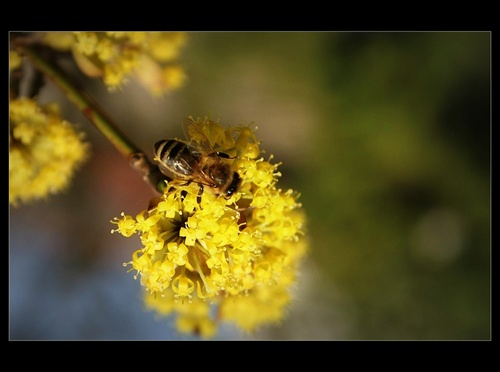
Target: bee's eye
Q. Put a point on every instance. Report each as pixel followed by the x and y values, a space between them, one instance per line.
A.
pixel 234 185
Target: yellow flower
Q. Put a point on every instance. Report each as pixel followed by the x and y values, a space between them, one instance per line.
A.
pixel 194 317
pixel 61 41
pixel 14 60
pixel 237 254
pixel 44 151
pixel 115 57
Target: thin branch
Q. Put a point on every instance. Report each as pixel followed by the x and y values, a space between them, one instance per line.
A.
pixel 87 105
pixel 95 114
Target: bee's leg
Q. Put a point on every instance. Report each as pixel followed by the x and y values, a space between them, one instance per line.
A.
pixel 175 183
pixel 200 193
pixel 153 203
pixel 198 198
pixel 244 214
pixel 223 155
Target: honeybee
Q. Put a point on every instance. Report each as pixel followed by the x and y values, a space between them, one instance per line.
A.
pixel 197 161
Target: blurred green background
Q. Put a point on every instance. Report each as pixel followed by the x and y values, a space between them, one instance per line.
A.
pixel 386 135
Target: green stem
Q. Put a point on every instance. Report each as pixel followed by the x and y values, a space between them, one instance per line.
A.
pixel 93 112
pixel 87 105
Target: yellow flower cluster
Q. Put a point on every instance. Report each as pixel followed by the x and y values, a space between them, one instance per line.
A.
pixel 14 60
pixel 236 255
pixel 151 57
pixel 44 151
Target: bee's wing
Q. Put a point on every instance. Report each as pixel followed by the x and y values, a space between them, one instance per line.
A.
pixel 187 165
pixel 197 139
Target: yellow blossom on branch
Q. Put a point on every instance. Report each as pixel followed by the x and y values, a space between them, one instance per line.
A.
pixel 150 57
pixel 236 253
pixel 44 151
pixel 14 60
